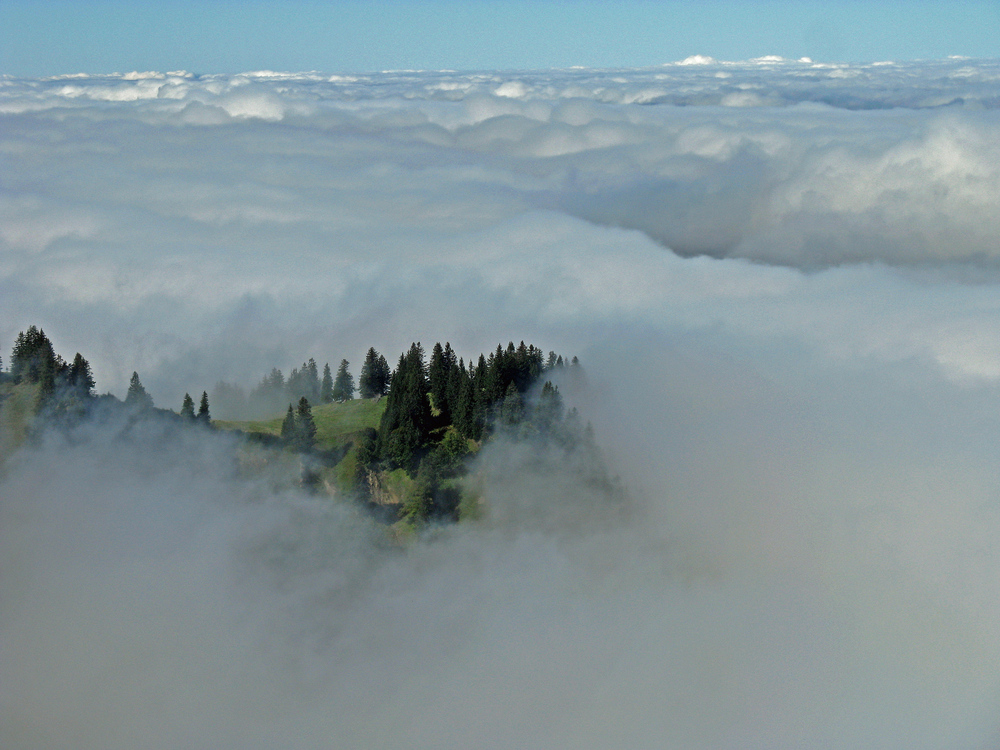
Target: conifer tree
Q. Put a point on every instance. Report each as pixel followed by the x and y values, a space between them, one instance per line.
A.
pixel 343 384
pixel 187 408
pixel 406 422
pixel 511 408
pixel 80 378
pixel 326 387
pixel 311 381
pixel 549 410
pixel 137 398
pixel 33 359
pixel 305 427
pixel 203 415
pixel 375 375
pixel 439 378
pixel 288 432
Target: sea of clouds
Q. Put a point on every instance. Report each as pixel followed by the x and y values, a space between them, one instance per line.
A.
pixel 783 280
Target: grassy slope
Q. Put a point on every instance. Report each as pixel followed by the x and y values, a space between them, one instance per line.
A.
pixel 336 424
pixel 17 409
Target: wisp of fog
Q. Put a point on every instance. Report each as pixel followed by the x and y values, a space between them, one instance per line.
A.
pixel 781 279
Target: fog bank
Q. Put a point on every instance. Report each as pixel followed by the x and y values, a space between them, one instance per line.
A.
pixel 781 279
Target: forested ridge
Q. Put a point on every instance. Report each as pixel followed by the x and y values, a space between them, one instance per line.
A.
pixel 406 447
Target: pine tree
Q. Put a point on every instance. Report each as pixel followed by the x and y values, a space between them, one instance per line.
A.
pixel 311 381
pixel 33 359
pixel 343 385
pixel 326 387
pixel 440 379
pixel 288 432
pixel 203 415
pixel 407 420
pixel 187 408
pixel 305 427
pixel 375 375
pixel 549 410
pixel 137 398
pixel 80 378
pixel 511 408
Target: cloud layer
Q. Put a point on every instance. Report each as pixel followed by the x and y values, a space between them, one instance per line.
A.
pixel 781 277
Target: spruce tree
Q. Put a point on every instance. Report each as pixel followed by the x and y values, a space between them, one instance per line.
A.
pixel 311 383
pixel 511 408
pixel 80 378
pixel 375 375
pixel 549 410
pixel 187 408
pixel 406 422
pixel 305 427
pixel 137 398
pixel 203 415
pixel 326 387
pixel 343 384
pixel 288 432
pixel 439 377
pixel 33 359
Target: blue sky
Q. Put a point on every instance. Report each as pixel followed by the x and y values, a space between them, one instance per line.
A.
pixel 44 37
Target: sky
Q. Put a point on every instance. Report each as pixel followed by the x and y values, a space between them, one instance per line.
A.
pixel 49 37
pixel 781 277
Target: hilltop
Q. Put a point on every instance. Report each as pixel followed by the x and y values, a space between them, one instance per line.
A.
pixel 406 449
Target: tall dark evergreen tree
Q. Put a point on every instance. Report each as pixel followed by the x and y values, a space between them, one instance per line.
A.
pixel 305 427
pixel 203 415
pixel 137 398
pixel 343 384
pixel 406 422
pixel 440 373
pixel 312 384
pixel 80 379
pixel 511 409
pixel 549 410
pixel 187 408
pixel 288 432
pixel 375 375
pixel 33 359
pixel 326 385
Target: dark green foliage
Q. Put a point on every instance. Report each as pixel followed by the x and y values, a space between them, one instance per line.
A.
pixel 326 385
pixel 511 409
pixel 375 375
pixel 137 398
pixel 305 427
pixel 441 380
pixel 187 408
pixel 549 410
pixel 407 420
pixel 34 361
pixel 434 416
pixel 343 384
pixel 304 382
pixel 79 378
pixel 203 416
pixel 288 432
pixel 298 430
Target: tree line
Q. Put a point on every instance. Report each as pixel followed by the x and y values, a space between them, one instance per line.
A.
pixel 438 410
pixel 275 391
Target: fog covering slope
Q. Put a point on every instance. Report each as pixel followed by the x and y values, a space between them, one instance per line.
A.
pixel 781 278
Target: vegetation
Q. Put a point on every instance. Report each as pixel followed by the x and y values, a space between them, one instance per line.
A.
pixel 404 448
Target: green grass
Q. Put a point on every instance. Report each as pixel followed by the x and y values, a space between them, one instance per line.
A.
pixel 336 424
pixel 17 409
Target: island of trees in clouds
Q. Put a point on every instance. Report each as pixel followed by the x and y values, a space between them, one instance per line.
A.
pixel 405 447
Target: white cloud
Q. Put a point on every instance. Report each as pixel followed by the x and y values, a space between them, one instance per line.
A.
pixel 788 314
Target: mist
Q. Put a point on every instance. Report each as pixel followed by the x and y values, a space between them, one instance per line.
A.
pixel 780 278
